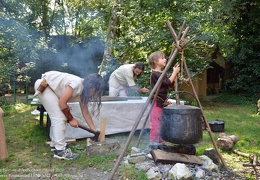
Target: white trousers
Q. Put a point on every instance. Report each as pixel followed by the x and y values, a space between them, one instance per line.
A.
pixel 58 120
pixel 117 92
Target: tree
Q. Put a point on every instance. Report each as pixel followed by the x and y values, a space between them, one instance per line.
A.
pixel 245 51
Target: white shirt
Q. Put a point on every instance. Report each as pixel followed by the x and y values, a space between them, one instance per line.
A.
pixel 59 81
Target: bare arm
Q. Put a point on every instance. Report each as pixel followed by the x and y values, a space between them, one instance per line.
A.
pixel 65 97
pixel 144 90
pixel 87 116
pixel 176 70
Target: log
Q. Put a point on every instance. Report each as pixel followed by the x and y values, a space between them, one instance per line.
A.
pixel 225 143
pixel 232 137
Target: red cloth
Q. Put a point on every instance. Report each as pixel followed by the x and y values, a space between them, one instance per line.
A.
pixel 155 124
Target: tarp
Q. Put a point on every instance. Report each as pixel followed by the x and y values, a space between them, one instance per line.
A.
pixel 120 117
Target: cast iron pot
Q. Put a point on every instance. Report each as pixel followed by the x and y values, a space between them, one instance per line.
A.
pixel 181 124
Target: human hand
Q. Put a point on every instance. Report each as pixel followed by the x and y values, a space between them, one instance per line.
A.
pixel 144 90
pixel 96 136
pixel 74 123
pixel 176 68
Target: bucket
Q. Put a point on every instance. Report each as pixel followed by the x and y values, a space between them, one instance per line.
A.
pixel 181 124
pixel 217 125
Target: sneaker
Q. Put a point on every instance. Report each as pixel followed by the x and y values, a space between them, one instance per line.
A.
pixel 65 154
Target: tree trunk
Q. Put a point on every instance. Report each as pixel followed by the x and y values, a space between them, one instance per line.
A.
pixel 111 36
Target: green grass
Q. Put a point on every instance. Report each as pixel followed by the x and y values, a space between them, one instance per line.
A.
pixel 28 152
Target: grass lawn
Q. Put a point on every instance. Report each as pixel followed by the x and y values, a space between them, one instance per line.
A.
pixel 29 156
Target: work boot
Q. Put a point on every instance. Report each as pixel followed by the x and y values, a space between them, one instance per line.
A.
pixel 65 154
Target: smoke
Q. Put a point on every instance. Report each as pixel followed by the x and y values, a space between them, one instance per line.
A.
pixel 24 43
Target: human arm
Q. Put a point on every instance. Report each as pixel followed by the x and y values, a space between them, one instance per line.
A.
pixel 176 70
pixel 65 97
pixel 87 116
pixel 143 90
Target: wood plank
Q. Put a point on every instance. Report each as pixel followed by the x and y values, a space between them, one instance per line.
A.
pixel 112 98
pixel 167 157
pixel 67 141
pixel 103 130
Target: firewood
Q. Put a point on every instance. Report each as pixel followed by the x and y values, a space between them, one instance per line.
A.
pixel 232 137
pixel 238 152
pixel 254 164
pixel 225 143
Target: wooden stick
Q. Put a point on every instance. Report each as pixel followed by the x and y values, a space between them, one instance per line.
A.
pixel 255 163
pixel 204 117
pixel 103 130
pixel 67 141
pixel 172 31
pixel 180 32
pixel 241 153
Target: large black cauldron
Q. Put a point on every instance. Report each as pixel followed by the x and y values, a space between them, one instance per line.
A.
pixel 181 124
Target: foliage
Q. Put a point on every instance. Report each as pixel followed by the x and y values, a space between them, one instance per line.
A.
pixel 18 45
pixel 245 57
pixel 30 28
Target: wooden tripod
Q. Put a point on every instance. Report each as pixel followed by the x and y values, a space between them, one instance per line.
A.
pixel 180 44
pixel 180 47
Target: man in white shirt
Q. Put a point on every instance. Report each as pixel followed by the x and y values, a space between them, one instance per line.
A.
pixel 124 77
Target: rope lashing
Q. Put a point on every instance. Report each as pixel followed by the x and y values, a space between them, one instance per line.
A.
pixel 179 45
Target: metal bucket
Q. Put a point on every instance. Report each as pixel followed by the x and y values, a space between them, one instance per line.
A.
pixel 181 124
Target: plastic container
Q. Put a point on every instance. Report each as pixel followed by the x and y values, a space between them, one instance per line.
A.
pixel 217 125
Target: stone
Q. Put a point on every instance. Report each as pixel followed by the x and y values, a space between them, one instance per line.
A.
pixel 154 174
pixel 180 171
pixel 136 159
pixel 135 150
pixel 208 164
pixel 212 154
pixel 200 174
pixel 103 148
pixel 144 166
